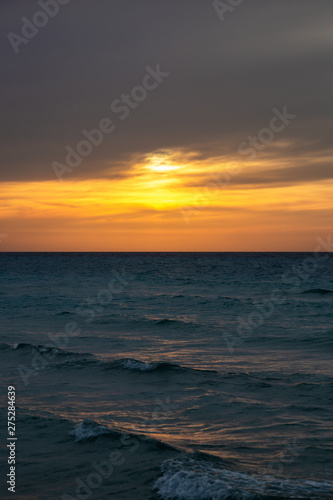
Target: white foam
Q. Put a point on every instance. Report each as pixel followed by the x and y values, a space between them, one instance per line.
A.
pixel 15 346
pixel 41 349
pixel 133 364
pixel 87 429
pixel 193 480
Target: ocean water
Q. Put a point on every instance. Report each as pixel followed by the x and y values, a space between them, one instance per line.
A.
pixel 165 376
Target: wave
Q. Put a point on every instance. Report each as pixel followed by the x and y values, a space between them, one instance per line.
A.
pixel 87 360
pixel 135 365
pixel 187 476
pixel 63 359
pixel 166 321
pixel 42 349
pixel 142 366
pixel 83 431
pixel 318 291
pixel 231 299
pixel 88 430
pixel 190 479
pixel 127 364
pixel 170 321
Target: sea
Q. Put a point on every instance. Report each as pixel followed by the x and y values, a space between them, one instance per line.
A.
pixel 167 376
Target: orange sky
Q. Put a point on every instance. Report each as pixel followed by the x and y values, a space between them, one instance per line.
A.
pixel 169 200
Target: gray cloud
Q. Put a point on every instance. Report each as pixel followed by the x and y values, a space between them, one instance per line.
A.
pixel 225 78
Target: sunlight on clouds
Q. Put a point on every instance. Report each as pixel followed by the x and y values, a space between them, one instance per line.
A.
pixel 145 210
pixel 161 162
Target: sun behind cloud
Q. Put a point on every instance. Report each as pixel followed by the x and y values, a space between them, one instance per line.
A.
pixel 163 161
pixel 171 199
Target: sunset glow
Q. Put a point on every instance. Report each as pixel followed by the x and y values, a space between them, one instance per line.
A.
pixel 169 200
pixel 189 142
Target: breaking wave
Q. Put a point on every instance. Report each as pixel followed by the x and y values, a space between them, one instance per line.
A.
pixel 189 479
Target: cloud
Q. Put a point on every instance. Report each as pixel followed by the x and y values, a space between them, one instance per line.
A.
pixel 225 78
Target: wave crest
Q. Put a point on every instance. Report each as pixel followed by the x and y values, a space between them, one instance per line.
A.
pixel 42 349
pixel 189 479
pixel 88 430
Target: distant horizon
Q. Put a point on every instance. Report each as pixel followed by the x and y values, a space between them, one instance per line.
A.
pixel 159 251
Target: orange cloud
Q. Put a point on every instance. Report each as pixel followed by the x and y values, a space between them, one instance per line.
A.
pixel 172 201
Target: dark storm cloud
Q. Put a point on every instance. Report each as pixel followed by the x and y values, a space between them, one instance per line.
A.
pixel 225 79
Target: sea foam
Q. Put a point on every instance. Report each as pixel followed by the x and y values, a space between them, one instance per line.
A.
pixel 189 479
pixel 87 430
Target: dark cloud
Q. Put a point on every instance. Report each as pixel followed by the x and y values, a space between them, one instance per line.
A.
pixel 225 79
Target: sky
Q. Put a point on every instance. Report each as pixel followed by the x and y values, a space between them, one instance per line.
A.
pixel 179 125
